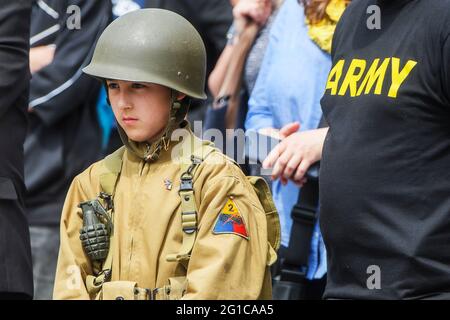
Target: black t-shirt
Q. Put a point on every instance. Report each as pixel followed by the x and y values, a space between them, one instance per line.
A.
pixel 385 175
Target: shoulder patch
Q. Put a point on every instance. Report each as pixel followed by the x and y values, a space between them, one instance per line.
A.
pixel 230 221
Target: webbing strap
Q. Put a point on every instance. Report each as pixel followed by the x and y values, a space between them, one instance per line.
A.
pixel 303 222
pixel 188 205
pixel 189 226
pixel 188 214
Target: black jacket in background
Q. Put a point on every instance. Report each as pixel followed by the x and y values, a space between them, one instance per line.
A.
pixel 16 278
pixel 64 137
pixel 211 18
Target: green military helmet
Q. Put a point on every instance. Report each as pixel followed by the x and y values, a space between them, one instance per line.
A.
pixel 152 45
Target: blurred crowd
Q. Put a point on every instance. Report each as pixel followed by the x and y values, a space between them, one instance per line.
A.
pixel 268 66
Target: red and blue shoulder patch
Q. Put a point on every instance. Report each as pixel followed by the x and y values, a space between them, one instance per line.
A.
pixel 230 221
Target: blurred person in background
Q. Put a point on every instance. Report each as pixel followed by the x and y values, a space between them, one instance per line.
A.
pixel 245 12
pixel 63 136
pixel 259 11
pixel 286 98
pixel 16 277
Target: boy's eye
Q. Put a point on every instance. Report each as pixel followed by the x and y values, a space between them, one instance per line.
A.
pixel 137 86
pixel 113 85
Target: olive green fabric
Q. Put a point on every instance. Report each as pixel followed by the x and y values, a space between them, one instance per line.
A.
pixel 113 164
pixel 152 45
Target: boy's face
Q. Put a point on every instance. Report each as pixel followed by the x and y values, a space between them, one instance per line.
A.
pixel 141 108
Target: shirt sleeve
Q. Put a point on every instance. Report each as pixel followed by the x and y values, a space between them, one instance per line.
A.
pixel 227 265
pixel 57 89
pixel 259 113
pixel 231 34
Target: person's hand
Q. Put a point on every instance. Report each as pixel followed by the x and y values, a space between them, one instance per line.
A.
pixel 251 10
pixel 293 156
pixel 41 57
pixel 282 133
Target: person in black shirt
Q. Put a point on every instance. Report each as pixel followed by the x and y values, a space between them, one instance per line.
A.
pixel 385 178
pixel 16 276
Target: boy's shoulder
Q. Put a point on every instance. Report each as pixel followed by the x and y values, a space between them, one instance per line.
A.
pixel 92 173
pixel 103 173
pixel 94 176
pixel 86 185
pixel 219 169
pixel 218 164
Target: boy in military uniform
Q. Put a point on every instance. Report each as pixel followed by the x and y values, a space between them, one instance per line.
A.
pixel 162 219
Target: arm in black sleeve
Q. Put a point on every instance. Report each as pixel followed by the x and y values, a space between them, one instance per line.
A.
pixel 61 86
pixel 14 45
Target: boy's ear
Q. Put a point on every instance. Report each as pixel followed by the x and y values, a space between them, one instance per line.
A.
pixel 180 96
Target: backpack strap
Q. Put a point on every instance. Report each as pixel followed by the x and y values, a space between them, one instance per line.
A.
pixel 273 230
pixel 111 170
pixel 273 222
pixel 188 205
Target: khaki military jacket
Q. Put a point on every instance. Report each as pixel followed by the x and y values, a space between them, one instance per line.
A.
pixel 147 228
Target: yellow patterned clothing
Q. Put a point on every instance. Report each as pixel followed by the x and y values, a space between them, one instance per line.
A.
pixel 322 32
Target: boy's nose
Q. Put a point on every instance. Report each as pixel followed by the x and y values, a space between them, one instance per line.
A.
pixel 124 102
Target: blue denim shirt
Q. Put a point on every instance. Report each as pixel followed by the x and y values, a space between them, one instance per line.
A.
pixel 289 87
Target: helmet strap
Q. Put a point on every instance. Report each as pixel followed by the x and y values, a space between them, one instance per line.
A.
pixel 178 111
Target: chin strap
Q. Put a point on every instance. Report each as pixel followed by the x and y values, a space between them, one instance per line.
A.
pixel 178 111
